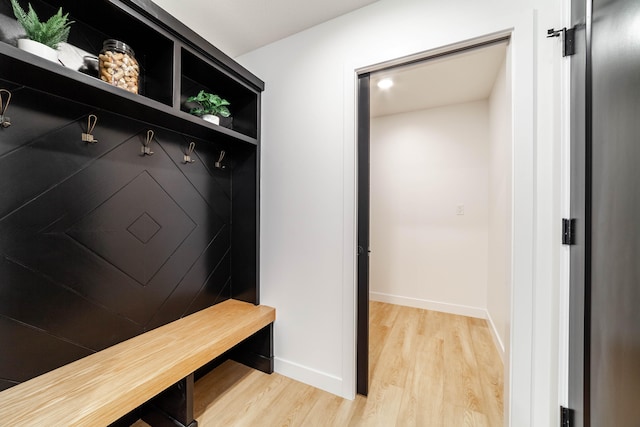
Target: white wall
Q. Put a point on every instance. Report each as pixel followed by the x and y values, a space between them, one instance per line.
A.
pixel 423 165
pixel 308 183
pixel 500 202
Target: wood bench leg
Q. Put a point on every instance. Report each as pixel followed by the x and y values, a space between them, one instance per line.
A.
pixel 173 407
pixel 257 350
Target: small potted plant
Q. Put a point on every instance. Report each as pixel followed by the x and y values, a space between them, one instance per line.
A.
pixel 42 37
pixel 210 107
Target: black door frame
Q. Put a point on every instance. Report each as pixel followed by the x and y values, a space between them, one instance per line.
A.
pixel 362 350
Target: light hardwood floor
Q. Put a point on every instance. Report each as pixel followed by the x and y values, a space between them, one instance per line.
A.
pixel 426 369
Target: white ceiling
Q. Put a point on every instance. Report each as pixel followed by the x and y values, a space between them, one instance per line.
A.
pixel 453 79
pixel 240 26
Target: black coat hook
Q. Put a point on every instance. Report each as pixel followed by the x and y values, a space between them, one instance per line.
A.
pixel 219 164
pixel 91 124
pixel 187 154
pixel 146 144
pixel 5 121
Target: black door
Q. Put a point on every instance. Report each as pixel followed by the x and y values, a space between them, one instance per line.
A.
pixel 608 393
pixel 580 189
pixel 362 369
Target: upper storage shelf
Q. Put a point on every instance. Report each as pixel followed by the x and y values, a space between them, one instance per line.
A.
pixel 175 63
pixel 198 75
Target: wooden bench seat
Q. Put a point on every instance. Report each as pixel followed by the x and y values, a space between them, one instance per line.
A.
pixel 101 388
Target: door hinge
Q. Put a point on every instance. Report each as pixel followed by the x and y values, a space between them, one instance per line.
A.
pixel 566 417
pixel 568 39
pixel 568 231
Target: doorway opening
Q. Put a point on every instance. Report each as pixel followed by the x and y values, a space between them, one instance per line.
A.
pixel 434 187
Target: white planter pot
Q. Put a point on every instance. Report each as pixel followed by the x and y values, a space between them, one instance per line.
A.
pixel 39 49
pixel 211 118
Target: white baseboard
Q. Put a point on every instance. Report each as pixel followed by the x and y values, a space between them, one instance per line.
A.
pixel 444 307
pixel 462 310
pixel 310 376
pixel 496 337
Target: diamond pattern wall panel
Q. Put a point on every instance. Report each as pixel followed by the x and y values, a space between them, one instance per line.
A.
pixel 144 228
pixel 136 229
pixel 98 243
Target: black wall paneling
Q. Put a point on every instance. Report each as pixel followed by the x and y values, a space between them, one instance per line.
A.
pixel 102 239
pixel 100 243
pixel 244 231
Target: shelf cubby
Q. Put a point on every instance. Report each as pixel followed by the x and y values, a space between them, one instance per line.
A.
pixel 198 74
pixel 96 21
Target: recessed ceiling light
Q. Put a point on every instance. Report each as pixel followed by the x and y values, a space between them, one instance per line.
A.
pixel 385 83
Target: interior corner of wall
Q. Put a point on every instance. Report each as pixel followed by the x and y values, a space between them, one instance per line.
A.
pixel 495 334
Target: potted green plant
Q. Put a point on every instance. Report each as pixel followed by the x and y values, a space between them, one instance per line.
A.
pixel 210 107
pixel 42 37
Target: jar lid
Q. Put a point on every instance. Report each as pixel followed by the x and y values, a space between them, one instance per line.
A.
pixel 112 44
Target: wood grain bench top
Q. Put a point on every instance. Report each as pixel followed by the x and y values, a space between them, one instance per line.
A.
pixel 106 385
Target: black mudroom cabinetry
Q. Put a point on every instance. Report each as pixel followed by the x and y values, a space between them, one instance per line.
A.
pixel 99 242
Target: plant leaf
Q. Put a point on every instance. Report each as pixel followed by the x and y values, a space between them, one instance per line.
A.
pixel 224 111
pixel 197 111
pixel 52 32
